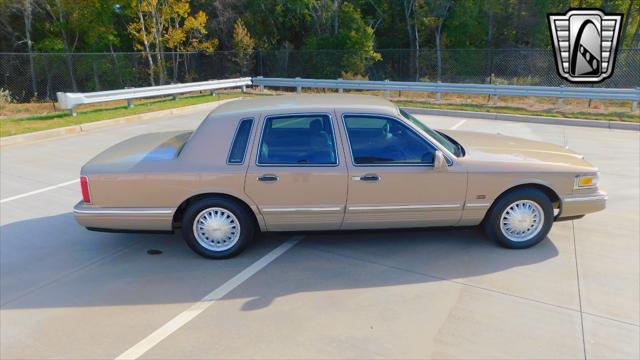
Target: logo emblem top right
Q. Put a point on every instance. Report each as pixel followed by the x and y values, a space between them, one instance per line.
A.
pixel 585 42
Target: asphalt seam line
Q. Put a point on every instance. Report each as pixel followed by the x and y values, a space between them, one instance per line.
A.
pixel 575 258
pixel 38 191
pixel 196 309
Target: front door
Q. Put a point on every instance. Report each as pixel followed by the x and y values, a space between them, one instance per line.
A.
pixel 392 180
pixel 297 177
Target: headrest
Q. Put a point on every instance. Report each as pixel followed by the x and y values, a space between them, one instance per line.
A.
pixel 316 125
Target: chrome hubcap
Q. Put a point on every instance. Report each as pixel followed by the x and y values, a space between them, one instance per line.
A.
pixel 522 220
pixel 216 229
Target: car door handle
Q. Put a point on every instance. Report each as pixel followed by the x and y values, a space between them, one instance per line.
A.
pixel 369 177
pixel 268 178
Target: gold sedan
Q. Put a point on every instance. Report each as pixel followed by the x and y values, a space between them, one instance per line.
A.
pixel 331 162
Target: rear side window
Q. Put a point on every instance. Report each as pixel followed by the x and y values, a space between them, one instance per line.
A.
pixel 297 140
pixel 239 146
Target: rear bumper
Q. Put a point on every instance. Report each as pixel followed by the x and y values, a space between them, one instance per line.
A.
pixel 142 219
pixel 578 205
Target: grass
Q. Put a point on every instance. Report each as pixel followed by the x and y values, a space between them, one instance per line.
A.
pixel 615 116
pixel 21 125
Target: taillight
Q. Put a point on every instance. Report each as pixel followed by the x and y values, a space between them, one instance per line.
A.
pixel 84 184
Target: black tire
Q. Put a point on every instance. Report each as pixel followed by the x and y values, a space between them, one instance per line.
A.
pixel 492 220
pixel 245 220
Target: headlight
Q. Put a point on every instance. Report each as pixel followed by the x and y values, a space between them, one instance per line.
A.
pixel 586 181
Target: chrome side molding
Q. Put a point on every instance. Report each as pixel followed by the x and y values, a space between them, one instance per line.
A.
pixel 405 207
pixel 123 211
pixel 592 197
pixel 477 205
pixel 301 209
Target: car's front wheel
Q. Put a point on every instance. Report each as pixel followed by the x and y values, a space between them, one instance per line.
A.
pixel 217 228
pixel 520 219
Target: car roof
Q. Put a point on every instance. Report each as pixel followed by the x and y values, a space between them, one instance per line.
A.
pixel 301 103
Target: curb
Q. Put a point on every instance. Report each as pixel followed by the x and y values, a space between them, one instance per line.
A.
pixel 603 124
pixel 98 125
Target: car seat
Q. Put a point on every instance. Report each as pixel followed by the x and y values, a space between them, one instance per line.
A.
pixel 320 144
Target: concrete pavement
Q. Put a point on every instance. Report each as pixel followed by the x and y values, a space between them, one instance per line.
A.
pixel 66 292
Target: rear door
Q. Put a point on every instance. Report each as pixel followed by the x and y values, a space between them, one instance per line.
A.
pixel 296 175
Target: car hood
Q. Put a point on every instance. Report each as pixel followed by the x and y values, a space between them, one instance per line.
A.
pixel 498 147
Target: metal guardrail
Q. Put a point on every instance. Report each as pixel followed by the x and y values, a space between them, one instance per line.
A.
pixel 71 100
pixel 560 93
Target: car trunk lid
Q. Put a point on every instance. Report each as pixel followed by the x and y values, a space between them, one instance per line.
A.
pixel 148 147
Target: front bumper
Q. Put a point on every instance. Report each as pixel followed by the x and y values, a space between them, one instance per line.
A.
pixel 578 205
pixel 124 219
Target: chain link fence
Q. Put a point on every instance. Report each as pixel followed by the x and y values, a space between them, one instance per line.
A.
pixel 40 76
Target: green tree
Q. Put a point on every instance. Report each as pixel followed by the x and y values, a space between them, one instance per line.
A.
pixel 352 39
pixel 278 24
pixel 64 26
pixel 439 11
pixel 26 8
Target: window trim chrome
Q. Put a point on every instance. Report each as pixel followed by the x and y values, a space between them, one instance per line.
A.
pixel 246 146
pixel 450 162
pixel 423 133
pixel 302 114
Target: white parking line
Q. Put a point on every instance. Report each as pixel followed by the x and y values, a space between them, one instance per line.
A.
pixel 183 318
pixel 458 124
pixel 39 191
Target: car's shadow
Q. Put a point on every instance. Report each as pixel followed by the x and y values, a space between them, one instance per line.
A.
pixel 52 262
pixel 367 259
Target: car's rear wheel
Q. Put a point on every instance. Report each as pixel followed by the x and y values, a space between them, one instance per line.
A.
pixel 217 228
pixel 520 219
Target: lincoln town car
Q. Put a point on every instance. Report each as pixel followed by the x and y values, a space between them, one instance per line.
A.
pixel 331 162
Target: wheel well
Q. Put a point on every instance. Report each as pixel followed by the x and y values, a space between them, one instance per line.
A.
pixel 553 197
pixel 177 216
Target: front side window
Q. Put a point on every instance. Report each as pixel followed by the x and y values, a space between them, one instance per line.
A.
pixel 239 145
pixel 378 140
pixel 453 148
pixel 297 140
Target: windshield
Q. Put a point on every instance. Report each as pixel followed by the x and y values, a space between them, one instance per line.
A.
pixel 453 147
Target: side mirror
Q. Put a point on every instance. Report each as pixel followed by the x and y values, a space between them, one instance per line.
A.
pixel 439 162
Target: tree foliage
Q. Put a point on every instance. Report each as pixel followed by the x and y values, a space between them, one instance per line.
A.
pixel 156 28
pixel 243 45
pixel 343 30
pixel 160 25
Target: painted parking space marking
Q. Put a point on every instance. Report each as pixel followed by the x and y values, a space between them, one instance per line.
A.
pixel 183 318
pixel 39 191
pixel 458 124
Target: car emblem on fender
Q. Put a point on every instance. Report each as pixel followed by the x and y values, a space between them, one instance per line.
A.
pixel 585 42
